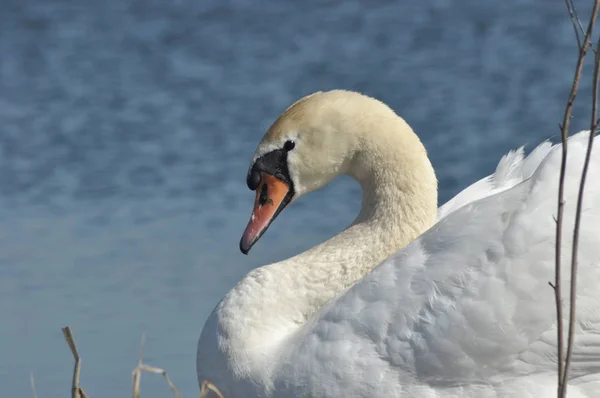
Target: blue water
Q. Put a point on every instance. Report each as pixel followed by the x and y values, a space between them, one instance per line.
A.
pixel 126 128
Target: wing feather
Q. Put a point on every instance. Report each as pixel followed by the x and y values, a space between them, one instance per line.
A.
pixel 468 301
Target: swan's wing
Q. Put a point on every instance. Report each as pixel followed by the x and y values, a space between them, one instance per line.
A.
pixel 512 169
pixel 469 300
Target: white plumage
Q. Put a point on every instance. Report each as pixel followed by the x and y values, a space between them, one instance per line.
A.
pixel 462 309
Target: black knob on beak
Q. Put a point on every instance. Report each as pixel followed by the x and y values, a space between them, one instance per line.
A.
pixel 253 179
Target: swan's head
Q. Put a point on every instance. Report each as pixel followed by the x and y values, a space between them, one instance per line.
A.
pixel 311 143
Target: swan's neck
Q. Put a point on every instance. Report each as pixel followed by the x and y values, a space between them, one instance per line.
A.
pixel 399 203
pixel 272 302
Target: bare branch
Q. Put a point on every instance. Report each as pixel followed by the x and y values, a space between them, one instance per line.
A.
pixel 583 48
pixel 578 211
pixel 76 390
pixel 577 26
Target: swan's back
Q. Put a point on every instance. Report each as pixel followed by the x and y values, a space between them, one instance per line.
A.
pixel 465 309
pixel 513 168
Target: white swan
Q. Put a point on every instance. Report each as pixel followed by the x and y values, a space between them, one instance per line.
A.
pixel 461 308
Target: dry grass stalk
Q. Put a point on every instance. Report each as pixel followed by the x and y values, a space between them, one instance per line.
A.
pixel 151 369
pixel 208 386
pixel 141 367
pixel 563 367
pixel 33 389
pixel 76 390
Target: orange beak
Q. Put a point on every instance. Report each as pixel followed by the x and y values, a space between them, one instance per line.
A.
pixel 271 197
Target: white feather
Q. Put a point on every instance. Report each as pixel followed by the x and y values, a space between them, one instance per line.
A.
pixel 463 310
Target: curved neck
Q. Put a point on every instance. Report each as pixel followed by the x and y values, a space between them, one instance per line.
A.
pixel 399 203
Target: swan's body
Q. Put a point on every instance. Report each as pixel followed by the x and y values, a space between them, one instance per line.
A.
pixel 411 300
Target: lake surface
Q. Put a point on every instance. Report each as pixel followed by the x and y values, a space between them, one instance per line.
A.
pixel 126 128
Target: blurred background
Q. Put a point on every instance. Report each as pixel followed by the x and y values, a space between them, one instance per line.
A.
pixel 126 128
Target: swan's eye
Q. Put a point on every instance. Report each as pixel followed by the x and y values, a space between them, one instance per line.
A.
pixel 289 145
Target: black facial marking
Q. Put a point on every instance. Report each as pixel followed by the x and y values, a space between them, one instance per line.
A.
pixel 273 163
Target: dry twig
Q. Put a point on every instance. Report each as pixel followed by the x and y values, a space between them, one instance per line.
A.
pixel 76 390
pixel 577 25
pixel 563 368
pixel 578 211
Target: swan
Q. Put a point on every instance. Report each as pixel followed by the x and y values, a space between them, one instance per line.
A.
pixel 409 300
